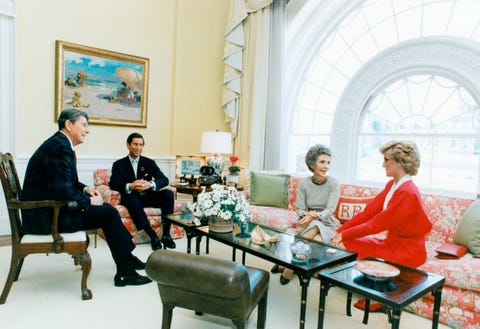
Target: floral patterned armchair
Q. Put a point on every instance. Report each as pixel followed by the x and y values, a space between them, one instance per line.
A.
pixel 101 178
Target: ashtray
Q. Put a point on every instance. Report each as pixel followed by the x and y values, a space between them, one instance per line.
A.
pixel 300 252
pixel 376 271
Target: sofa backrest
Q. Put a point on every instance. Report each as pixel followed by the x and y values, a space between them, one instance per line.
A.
pixel 443 211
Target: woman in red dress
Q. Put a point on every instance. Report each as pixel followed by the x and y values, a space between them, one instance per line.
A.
pixel 397 212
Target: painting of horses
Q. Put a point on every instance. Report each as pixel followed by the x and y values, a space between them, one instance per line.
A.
pixel 111 87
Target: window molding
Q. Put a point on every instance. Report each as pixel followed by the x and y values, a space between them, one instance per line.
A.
pixel 454 58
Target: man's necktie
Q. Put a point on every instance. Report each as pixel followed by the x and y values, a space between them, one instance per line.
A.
pixel 134 165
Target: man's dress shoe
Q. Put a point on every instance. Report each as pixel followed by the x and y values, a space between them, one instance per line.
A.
pixel 168 242
pixel 156 244
pixel 133 279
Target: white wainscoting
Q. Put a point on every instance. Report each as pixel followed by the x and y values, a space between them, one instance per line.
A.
pixel 85 167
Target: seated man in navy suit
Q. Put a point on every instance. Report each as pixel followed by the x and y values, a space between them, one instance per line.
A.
pixel 52 175
pixel 140 183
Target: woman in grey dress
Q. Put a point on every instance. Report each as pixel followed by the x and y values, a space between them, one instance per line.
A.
pixel 317 198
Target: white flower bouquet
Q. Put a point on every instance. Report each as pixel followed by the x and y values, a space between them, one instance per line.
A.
pixel 222 202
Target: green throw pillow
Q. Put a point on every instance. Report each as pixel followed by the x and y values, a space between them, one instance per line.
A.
pixel 269 190
pixel 468 230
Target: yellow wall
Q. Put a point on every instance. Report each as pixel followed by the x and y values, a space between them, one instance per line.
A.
pixel 183 40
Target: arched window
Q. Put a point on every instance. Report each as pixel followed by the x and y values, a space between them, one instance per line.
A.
pixel 360 73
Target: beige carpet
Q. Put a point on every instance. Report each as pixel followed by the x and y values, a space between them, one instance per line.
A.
pixel 47 296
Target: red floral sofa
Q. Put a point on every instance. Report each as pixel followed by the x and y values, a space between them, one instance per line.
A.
pixel 101 178
pixel 460 306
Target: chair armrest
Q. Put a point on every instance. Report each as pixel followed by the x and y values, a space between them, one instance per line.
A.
pixel 56 204
pixel 17 204
pixel 108 195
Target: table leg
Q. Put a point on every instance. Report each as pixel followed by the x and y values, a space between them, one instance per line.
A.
pixel 437 295
pixel 349 304
pixel 243 257
pixel 324 287
pixel 366 312
pixel 304 281
pixel 396 318
pixel 234 254
pixel 189 240
pixel 197 244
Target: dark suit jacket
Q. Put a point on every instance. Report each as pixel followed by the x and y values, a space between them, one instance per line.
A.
pixel 52 175
pixel 122 173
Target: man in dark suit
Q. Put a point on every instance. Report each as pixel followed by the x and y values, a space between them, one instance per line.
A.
pixel 52 174
pixel 141 184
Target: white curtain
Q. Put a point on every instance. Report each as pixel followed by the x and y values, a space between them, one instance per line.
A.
pixel 244 97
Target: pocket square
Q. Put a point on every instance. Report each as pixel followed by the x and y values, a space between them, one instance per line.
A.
pixel 450 251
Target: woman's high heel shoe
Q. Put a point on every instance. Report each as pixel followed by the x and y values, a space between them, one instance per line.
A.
pixel 284 280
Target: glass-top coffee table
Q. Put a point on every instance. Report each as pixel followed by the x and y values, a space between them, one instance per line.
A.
pixel 395 293
pixel 188 223
pixel 322 256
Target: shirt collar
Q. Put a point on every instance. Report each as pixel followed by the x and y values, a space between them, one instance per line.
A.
pixel 69 140
pixel 132 159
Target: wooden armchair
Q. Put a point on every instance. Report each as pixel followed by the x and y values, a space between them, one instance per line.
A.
pixel 23 245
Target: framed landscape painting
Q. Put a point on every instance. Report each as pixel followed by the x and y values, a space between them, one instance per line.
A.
pixel 112 88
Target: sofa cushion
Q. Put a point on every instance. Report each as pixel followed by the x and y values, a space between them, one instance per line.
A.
pixel 278 218
pixel 462 273
pixel 468 230
pixel 347 207
pixel 269 190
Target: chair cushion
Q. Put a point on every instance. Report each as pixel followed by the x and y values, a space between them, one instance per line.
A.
pixel 269 190
pixel 67 237
pixel 468 230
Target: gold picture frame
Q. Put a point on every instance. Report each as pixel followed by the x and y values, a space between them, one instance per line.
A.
pixel 111 87
pixel 189 165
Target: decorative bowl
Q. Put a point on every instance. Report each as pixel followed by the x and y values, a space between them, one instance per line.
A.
pixel 300 252
pixel 376 271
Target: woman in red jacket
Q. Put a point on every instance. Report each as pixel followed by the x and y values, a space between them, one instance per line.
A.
pixel 397 211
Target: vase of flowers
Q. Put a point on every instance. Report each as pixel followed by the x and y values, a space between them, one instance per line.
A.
pixel 233 170
pixel 222 206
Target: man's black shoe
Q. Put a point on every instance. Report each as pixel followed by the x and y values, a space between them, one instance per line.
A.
pixel 168 242
pixel 156 244
pixel 136 263
pixel 133 279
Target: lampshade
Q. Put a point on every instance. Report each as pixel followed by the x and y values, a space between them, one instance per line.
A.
pixel 217 142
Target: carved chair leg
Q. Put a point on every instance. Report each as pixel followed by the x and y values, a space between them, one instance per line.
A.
pixel 13 273
pixel 167 316
pixel 85 262
pixel 18 268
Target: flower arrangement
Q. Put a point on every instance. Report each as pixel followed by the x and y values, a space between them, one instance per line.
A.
pixel 223 202
pixel 234 169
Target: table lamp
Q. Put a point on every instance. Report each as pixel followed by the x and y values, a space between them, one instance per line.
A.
pixel 216 142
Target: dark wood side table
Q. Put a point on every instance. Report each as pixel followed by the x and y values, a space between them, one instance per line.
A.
pixel 194 190
pixel 396 294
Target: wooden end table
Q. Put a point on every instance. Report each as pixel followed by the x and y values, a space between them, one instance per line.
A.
pixel 194 190
pixel 408 286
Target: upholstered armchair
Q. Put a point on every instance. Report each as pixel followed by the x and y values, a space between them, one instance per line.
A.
pixel 101 178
